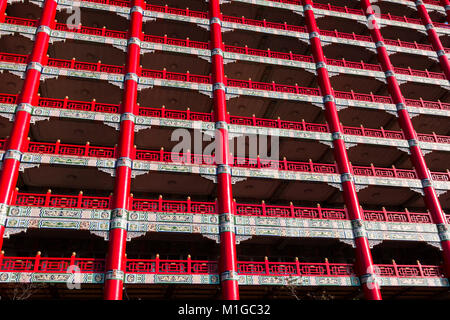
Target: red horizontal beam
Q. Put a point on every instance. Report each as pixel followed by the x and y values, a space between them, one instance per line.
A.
pixel 233 49
pixel 81 201
pixel 40 264
pixel 244 84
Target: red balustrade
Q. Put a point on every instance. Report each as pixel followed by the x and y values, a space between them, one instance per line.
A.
pixel 39 264
pixel 252 163
pixel 245 84
pixel 94 106
pixel 81 201
pixel 282 26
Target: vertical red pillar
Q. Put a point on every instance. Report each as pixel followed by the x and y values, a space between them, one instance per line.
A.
pixel 446 5
pixel 19 133
pixel 433 38
pixel 364 260
pixel 3 4
pixel 115 272
pixel 416 156
pixel 228 263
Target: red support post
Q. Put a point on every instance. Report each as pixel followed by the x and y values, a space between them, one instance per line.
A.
pixel 227 263
pixel 17 141
pixel 3 4
pixel 363 254
pixel 115 271
pixel 433 38
pixel 416 155
pixel 446 5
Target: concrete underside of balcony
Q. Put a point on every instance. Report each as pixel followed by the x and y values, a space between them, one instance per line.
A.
pixel 184 292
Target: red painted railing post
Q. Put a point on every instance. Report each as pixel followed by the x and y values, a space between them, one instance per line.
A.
pixel 416 155
pixel 385 214
pixel 157 263
pixel 189 264
pixel 297 266
pixel 115 272
pixel 433 37
pixel 19 132
pixel 292 209
pixel 47 198
pixel 420 268
pixel 266 265
pixel 363 254
pixel 37 260
pixel 327 267
pixel 72 258
pixel 228 260
pixel 80 199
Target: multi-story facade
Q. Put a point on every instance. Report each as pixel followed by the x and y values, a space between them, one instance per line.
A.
pixel 96 202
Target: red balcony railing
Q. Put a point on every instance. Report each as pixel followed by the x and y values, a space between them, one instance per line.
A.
pixel 243 50
pixel 244 84
pixel 94 106
pixel 81 201
pixel 242 162
pixel 40 264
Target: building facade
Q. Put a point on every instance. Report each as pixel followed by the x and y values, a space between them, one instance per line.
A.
pixel 330 173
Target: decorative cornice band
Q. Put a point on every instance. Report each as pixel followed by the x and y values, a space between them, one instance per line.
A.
pixel 134 40
pixel 359 231
pixel 388 73
pixel 440 53
pixel 131 76
pixel 223 168
pixel 137 9
pixel 35 66
pixel 12 154
pixel 218 86
pixel 45 29
pixel 221 125
pixel 127 116
pixel 226 223
pixel 369 278
pixel 320 65
pixel 337 136
pixel 443 232
pixel 124 162
pixel 345 177
pixel 426 183
pixel 3 213
pixel 413 143
pixel 217 51
pixel 229 275
pixel 328 98
pixel 115 274
pixel 215 20
pixel 313 34
pixel 379 44
pixel 400 106
pixel 28 108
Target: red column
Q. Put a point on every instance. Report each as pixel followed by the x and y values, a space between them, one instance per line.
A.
pixel 18 137
pixel 228 263
pixel 446 5
pixel 364 261
pixel 3 4
pixel 416 156
pixel 119 215
pixel 433 38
